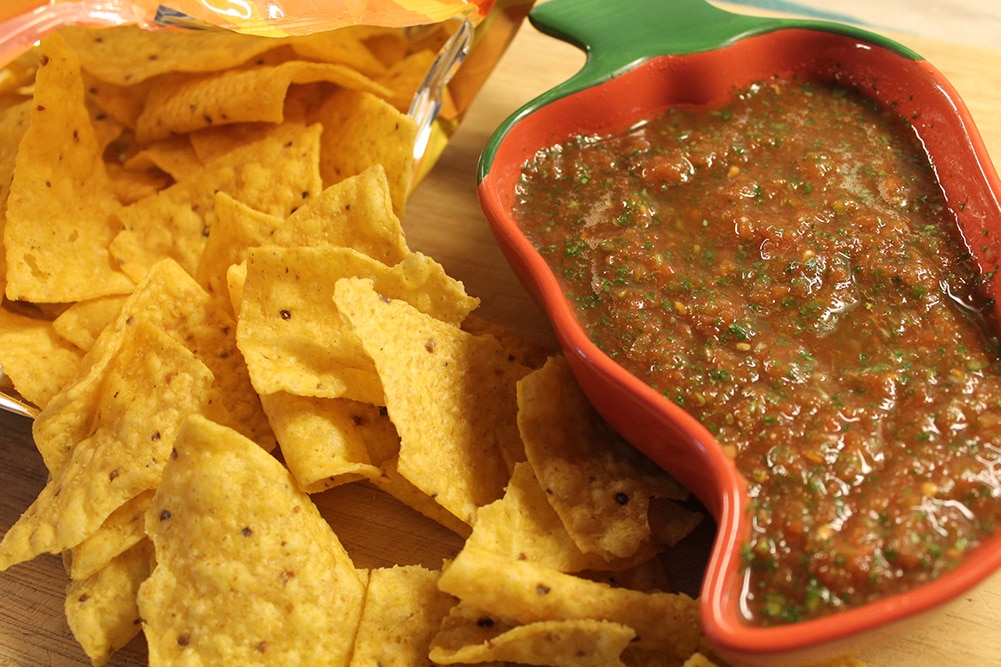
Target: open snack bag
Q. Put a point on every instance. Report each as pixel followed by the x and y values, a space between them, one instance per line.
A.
pixel 437 52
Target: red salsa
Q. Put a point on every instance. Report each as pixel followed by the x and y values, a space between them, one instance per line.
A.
pixel 786 269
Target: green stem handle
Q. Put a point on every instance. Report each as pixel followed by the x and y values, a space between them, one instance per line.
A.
pixel 617 35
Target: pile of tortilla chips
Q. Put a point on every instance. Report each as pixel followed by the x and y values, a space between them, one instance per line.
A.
pixel 211 300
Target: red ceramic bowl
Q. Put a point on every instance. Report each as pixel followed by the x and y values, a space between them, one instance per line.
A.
pixel 644 57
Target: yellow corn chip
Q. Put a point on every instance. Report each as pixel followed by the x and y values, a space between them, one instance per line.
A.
pixel 82 322
pixel 574 643
pixel 523 525
pixel 456 455
pixel 530 352
pixel 153 383
pixel 34 357
pixel 171 300
pixel 527 593
pixel 361 129
pixel 236 278
pixel 402 612
pixel 247 569
pixel 174 156
pixel 101 610
pixel 14 121
pixel 388 45
pixel 465 625
pixel 120 102
pixel 396 485
pixel 60 212
pixel 274 175
pixel 599 485
pixel 356 212
pixel 236 228
pixel 405 77
pixel 128 55
pixel 344 45
pixel 180 105
pixel 321 439
pixel 290 331
pixel 129 186
pixel 121 531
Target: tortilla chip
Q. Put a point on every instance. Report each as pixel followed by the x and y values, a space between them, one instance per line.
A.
pixel 182 104
pixel 529 352
pixel 121 531
pixel 396 485
pixel 171 300
pixel 127 55
pixel 119 102
pixel 153 383
pixel 274 175
pixel 247 568
pixel 61 208
pixel 174 156
pixel 101 610
pixel 523 525
pixel 528 593
pixel 82 322
pixel 345 45
pixel 361 129
pixel 292 335
pixel 599 485
pixel 356 212
pixel 574 643
pixel 236 229
pixel 465 625
pixel 128 187
pixel 449 393
pixel 236 278
pixel 321 440
pixel 14 122
pixel 402 612
pixel 405 77
pixel 388 45
pixel 35 358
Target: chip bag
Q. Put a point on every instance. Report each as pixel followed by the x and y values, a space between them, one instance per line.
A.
pixel 481 31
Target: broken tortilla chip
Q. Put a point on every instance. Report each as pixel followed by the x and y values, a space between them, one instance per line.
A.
pixel 599 484
pixel 456 456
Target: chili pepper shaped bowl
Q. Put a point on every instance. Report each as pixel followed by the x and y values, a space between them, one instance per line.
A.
pixel 644 57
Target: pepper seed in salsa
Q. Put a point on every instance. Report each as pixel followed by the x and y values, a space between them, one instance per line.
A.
pixel 786 269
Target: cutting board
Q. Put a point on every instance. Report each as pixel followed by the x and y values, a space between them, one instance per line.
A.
pixel 444 220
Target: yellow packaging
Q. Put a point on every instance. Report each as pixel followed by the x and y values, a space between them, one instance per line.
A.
pixel 482 30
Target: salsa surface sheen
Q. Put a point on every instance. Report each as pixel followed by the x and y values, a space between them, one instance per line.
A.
pixel 786 269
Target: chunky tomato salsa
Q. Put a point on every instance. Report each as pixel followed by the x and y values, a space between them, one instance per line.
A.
pixel 786 269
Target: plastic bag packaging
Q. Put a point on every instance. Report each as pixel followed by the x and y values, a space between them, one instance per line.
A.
pixel 484 28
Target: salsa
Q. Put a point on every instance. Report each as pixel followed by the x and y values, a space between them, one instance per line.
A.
pixel 787 270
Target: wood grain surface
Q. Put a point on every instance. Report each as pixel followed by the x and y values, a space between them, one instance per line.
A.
pixel 444 220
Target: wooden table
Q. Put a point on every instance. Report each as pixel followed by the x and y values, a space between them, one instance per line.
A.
pixel 444 220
